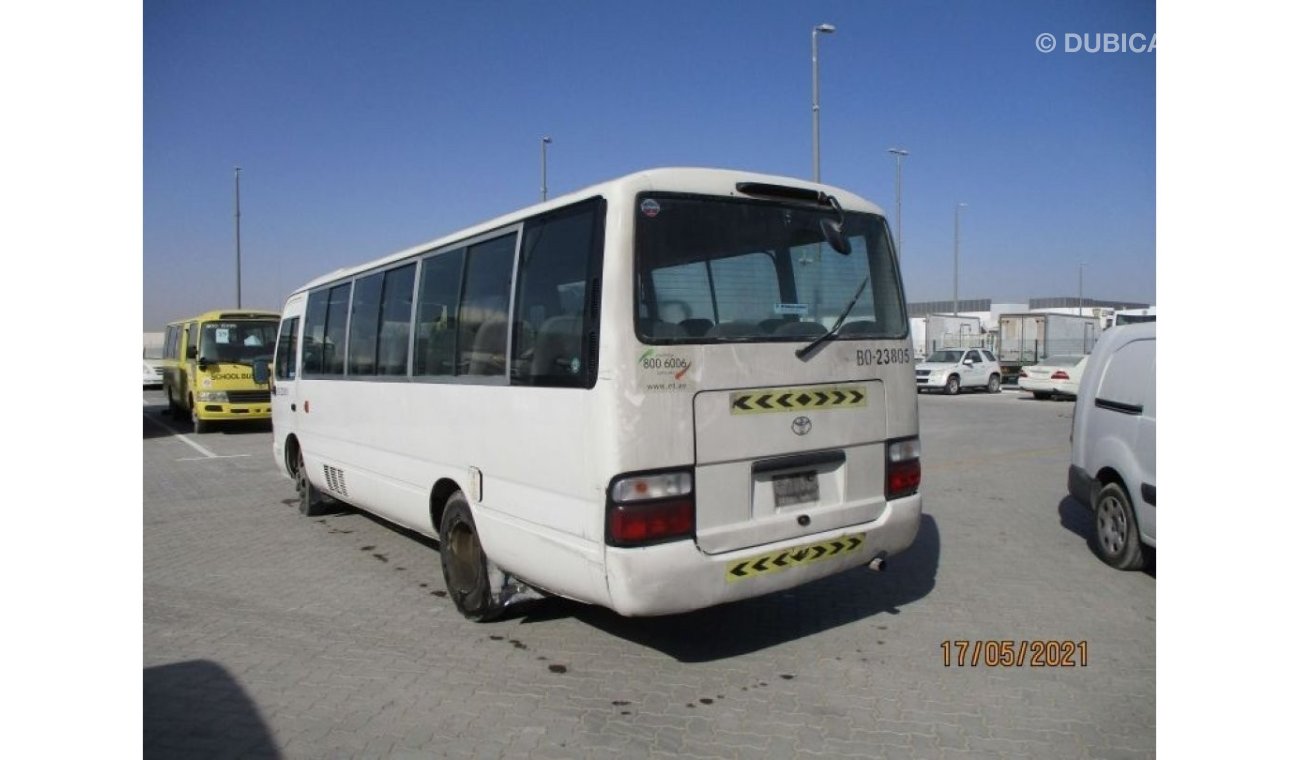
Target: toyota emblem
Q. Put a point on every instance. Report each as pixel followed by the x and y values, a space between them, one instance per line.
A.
pixel 801 425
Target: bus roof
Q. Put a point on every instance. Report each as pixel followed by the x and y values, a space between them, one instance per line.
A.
pixel 677 179
pixel 220 314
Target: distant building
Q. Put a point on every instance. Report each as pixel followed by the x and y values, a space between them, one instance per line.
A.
pixel 976 305
pixel 1073 302
pixel 989 312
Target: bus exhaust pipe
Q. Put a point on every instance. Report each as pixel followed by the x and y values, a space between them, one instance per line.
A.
pixel 877 565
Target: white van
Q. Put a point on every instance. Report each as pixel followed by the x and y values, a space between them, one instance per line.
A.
pixel 1113 445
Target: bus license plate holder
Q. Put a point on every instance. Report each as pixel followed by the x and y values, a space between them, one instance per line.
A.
pixel 796 488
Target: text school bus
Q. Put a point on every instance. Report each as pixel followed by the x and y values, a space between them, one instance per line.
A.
pixel 208 366
pixel 676 389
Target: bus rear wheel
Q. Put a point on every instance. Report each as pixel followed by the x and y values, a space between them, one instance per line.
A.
pixel 464 564
pixel 310 502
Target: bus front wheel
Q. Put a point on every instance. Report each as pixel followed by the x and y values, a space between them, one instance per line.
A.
pixel 200 425
pixel 464 564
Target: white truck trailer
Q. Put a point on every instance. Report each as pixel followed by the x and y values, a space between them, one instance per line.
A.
pixel 952 331
pixel 1026 339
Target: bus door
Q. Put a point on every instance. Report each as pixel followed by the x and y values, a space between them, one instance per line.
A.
pixel 284 378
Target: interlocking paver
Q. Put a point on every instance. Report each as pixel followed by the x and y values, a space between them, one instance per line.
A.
pixel 270 634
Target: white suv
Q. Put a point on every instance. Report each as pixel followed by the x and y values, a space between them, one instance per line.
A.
pixel 1113 445
pixel 951 369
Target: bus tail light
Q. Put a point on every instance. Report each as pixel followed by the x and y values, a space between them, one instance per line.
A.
pixel 650 508
pixel 903 468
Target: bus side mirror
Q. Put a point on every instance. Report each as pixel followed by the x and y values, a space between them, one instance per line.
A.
pixel 261 371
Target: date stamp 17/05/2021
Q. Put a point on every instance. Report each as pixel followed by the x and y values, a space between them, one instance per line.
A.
pixel 1009 653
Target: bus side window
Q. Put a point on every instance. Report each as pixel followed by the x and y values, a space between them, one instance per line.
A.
pixel 553 297
pixel 481 348
pixel 336 327
pixel 435 315
pixel 395 320
pixel 286 351
pixel 313 333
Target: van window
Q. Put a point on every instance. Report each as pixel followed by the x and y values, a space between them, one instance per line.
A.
pixel 1128 373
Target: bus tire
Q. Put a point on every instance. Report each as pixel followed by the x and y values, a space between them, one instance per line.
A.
pixel 173 408
pixel 200 425
pixel 464 564
pixel 310 501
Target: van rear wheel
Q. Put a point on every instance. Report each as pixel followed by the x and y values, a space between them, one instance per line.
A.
pixel 464 563
pixel 995 383
pixel 953 386
pixel 1118 543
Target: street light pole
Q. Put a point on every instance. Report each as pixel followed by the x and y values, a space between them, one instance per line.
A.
pixel 956 245
pixel 898 196
pixel 1081 290
pixel 816 103
pixel 239 300
pixel 545 141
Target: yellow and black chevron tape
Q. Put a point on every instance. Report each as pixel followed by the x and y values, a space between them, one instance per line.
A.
pixel 775 562
pixel 798 399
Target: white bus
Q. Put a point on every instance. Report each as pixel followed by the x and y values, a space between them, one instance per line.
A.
pixel 668 391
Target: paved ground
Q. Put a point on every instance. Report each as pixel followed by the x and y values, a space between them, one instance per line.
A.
pixel 267 634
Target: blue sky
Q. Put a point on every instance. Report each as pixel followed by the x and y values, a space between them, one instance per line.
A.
pixel 365 128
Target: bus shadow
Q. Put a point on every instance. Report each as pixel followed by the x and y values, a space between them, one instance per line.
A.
pixel 154 419
pixel 751 625
pixel 198 709
pixel 1077 518
pixel 158 423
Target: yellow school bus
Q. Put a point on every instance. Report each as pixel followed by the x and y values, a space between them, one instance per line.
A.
pixel 208 366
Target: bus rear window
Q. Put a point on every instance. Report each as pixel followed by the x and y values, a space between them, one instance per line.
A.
pixel 722 270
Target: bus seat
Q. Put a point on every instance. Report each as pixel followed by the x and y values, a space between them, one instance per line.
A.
pixel 697 327
pixel 558 343
pixel 489 354
pixel 227 352
pixel 657 329
pixel 801 329
pixel 737 329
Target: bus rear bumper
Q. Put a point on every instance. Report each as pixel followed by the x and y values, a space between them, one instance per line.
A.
pixel 678 577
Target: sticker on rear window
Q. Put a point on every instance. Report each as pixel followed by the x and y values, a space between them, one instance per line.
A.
pixel 650 208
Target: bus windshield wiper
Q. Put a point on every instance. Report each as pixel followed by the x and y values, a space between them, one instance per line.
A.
pixel 833 333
